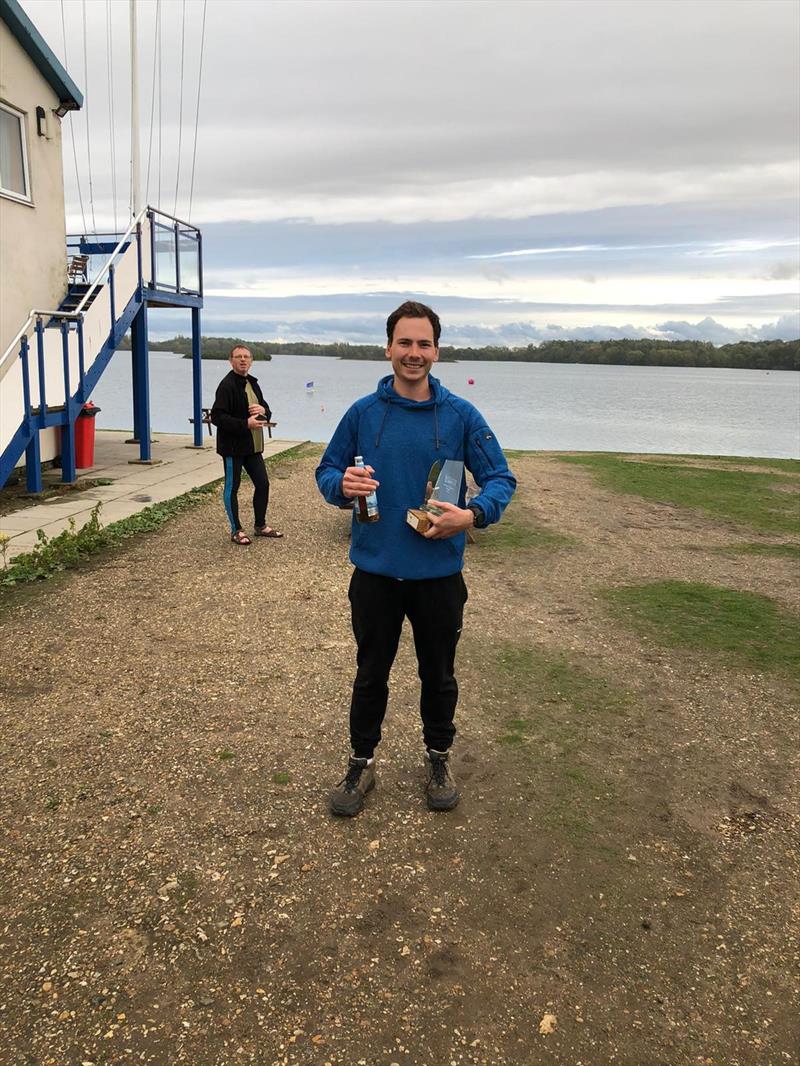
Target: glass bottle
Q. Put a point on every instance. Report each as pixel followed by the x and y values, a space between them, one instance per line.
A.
pixel 366 506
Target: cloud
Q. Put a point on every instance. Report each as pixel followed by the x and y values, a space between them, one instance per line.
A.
pixel 783 271
pixel 462 330
pixel 508 197
pixel 487 118
pixel 339 167
pixel 741 246
pixel 704 330
pixel 786 328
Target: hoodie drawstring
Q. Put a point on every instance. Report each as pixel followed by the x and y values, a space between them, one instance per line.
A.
pixel 388 403
pixel 383 423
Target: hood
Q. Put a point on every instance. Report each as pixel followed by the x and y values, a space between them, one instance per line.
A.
pixel 386 392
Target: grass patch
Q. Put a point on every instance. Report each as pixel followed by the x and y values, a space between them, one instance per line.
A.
pixel 280 777
pixel 747 627
pixel 555 681
pixel 225 755
pixel 571 710
pixel 788 466
pixel 513 534
pixel 764 501
pixel 787 551
pixel 278 465
pixel 308 450
pixel 72 547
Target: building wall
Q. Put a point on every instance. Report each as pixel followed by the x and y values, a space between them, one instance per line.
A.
pixel 32 237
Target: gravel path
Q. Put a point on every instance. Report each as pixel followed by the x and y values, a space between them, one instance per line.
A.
pixel 618 885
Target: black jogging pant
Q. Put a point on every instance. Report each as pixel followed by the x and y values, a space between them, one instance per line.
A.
pixel 435 609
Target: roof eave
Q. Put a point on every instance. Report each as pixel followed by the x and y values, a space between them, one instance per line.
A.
pixel 28 37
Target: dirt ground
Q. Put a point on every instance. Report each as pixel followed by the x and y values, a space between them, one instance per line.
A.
pixel 618 885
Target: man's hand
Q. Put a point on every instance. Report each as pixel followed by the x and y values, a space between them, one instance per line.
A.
pixel 452 520
pixel 256 409
pixel 358 481
pixel 253 422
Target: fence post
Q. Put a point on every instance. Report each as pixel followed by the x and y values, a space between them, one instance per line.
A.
pixel 68 473
pixel 33 458
pixel 200 261
pixel 153 270
pixel 177 260
pixel 112 301
pixel 197 379
pixel 81 364
pixel 40 364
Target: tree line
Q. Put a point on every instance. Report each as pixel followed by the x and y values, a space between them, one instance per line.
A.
pixel 742 355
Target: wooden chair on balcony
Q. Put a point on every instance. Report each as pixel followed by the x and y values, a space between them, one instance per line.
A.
pixel 78 269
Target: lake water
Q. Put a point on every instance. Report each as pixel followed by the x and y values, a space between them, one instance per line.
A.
pixel 528 405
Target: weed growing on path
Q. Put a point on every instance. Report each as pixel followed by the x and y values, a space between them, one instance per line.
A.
pixel 72 547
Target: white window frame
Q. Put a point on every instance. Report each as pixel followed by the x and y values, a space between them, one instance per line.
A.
pixel 9 194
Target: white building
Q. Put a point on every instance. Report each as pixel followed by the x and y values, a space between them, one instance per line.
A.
pixel 57 334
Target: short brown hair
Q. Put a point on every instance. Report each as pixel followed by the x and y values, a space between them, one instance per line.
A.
pixel 243 347
pixel 412 309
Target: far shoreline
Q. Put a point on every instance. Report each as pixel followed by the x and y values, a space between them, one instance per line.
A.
pixel 742 355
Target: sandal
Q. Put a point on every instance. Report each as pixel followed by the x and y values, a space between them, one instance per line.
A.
pixel 240 537
pixel 268 531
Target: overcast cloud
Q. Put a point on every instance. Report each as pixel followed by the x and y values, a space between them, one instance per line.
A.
pixel 529 168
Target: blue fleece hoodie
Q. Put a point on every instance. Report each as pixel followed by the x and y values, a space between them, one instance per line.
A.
pixel 401 439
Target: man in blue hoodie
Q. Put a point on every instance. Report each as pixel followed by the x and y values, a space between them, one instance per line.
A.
pixel 401 430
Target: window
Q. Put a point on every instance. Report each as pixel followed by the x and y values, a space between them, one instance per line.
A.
pixel 13 156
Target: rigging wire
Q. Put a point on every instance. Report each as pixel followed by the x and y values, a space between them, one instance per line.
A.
pixel 113 131
pixel 197 109
pixel 156 40
pixel 160 95
pixel 69 124
pixel 180 107
pixel 88 128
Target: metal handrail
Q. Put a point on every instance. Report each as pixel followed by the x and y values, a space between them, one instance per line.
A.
pixel 104 269
pixel 78 312
pixel 34 314
pixel 157 211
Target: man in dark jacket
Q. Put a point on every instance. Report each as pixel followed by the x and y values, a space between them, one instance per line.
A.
pixel 240 413
pixel 400 430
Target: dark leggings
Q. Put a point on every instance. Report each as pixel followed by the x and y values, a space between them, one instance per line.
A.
pixel 435 609
pixel 254 465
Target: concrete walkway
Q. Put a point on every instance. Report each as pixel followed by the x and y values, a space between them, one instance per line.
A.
pixel 134 486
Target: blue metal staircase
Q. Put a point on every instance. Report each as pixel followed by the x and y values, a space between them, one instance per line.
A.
pixel 51 367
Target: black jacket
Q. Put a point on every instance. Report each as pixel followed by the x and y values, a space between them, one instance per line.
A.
pixel 229 414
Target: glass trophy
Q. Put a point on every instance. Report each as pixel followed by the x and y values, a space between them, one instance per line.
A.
pixel 444 486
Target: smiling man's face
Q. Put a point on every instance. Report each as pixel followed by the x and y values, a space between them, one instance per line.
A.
pixel 412 352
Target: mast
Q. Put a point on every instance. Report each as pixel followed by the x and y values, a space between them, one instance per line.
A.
pixel 136 192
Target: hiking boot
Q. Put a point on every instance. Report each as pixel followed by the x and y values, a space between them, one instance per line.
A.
pixel 347 798
pixel 440 791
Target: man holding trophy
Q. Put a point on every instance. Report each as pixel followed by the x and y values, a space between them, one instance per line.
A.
pixel 404 449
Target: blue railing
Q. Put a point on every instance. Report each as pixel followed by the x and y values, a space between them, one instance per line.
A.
pixel 175 267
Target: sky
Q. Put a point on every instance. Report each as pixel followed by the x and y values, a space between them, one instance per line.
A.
pixel 533 170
